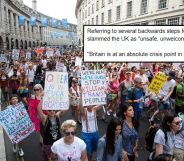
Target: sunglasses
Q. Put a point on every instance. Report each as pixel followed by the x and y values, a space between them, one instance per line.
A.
pixel 177 123
pixel 75 82
pixel 36 89
pixel 50 110
pixel 69 133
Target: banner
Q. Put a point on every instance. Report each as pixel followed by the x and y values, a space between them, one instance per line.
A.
pixel 33 112
pixel 33 21
pixel 15 54
pixel 43 21
pixel 64 23
pixel 78 61
pixel 54 23
pixel 3 58
pixel 56 91
pixel 157 82
pixel 16 122
pixel 93 85
pixel 21 20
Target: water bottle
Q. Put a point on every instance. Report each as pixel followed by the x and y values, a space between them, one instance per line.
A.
pixel 141 103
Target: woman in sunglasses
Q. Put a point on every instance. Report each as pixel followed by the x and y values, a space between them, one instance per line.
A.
pixel 49 129
pixel 69 147
pixel 165 137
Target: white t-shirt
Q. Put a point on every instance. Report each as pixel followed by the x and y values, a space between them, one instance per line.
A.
pixel 67 152
pixel 167 87
pixel 30 74
pixel 144 81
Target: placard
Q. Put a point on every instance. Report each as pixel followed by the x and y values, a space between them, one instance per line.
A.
pixel 78 61
pixel 49 53
pixel 3 58
pixel 56 91
pixel 157 82
pixel 16 122
pixel 15 54
pixel 93 85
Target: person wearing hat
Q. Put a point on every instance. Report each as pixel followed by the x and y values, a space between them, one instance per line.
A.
pixel 164 95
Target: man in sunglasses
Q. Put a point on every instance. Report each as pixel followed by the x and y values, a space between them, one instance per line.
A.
pixel 69 147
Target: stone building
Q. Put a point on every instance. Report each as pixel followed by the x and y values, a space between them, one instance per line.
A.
pixel 12 35
pixel 128 12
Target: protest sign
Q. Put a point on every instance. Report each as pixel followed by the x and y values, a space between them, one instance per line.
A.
pixel 3 58
pixel 59 66
pixel 15 54
pixel 57 53
pixel 78 61
pixel 93 85
pixel 182 67
pixel 33 105
pixel 49 53
pixel 56 91
pixel 157 82
pixel 16 122
pixel 28 55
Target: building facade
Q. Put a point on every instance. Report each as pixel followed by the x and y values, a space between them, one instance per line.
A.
pixel 128 12
pixel 14 36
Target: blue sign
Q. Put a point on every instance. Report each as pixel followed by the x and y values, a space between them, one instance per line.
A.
pixel 21 20
pixel 54 23
pixel 43 21
pixel 33 21
pixel 64 23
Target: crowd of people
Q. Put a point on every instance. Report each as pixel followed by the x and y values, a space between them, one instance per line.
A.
pixel 127 97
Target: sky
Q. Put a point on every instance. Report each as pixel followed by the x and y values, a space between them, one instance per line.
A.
pixel 56 8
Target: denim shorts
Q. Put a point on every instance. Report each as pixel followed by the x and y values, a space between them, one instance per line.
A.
pixel 91 140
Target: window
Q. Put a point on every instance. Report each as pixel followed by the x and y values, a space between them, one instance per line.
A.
pixel 103 3
pixel 162 4
pixel 173 21
pixel 97 20
pixel 88 22
pixel 118 11
pixel 129 9
pixel 109 1
pixel 85 13
pixel 92 11
pixel 182 21
pixel 160 22
pixel 88 11
pixel 102 18
pixel 92 21
pixel 109 16
pixel 97 5
pixel 144 6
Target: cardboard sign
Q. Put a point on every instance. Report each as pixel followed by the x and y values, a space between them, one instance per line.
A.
pixel 157 82
pixel 56 91
pixel 78 61
pixel 16 122
pixel 33 113
pixel 93 85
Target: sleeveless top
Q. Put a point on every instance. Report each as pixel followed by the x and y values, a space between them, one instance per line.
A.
pixel 89 124
pixel 51 131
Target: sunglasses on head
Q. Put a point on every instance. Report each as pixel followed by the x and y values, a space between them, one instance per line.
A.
pixel 36 89
pixel 69 133
pixel 177 123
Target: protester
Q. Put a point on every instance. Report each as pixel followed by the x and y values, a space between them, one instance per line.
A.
pixel 14 82
pixel 69 147
pixel 165 157
pixel 4 82
pixel 129 134
pixel 110 145
pixel 90 129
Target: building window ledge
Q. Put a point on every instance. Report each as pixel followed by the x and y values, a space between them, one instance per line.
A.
pixel 141 14
pixel 129 17
pixel 162 9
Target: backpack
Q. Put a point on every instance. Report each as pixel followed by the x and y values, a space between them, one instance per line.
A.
pixel 149 137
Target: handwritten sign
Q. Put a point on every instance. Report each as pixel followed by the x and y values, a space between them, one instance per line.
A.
pixel 49 53
pixel 16 122
pixel 56 91
pixel 33 113
pixel 157 82
pixel 78 61
pixel 3 58
pixel 15 54
pixel 93 85
pixel 59 66
pixel 28 55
